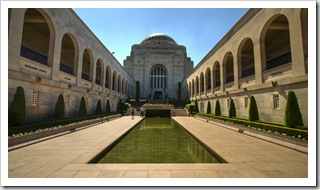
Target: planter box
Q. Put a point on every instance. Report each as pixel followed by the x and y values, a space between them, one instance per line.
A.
pixel 241 129
pixel 31 137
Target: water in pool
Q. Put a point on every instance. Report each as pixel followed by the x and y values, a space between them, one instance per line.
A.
pixel 158 140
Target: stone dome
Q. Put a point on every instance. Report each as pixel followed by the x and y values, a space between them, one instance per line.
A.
pixel 158 36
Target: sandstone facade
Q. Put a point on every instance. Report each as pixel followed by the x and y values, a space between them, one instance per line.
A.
pixel 158 63
pixel 265 55
pixel 52 52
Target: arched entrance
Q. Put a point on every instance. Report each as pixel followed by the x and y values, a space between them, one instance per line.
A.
pixel 158 81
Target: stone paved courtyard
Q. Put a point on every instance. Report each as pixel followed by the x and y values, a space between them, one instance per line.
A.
pixel 67 156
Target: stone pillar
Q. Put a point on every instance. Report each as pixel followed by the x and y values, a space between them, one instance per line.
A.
pixel 259 60
pixel 296 43
pixel 94 70
pixel 15 38
pixel 222 76
pixel 79 71
pixel 236 71
pixel 56 57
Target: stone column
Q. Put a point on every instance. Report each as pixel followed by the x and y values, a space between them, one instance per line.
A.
pixel 236 71
pixel 259 60
pixel 56 57
pixel 15 38
pixel 79 71
pixel 296 43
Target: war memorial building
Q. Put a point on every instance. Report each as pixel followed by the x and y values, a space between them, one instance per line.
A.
pixel 265 54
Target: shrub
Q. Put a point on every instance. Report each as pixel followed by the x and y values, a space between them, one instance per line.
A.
pixel 196 108
pixel 293 115
pixel 121 107
pixel 52 123
pixel 232 109
pixel 263 126
pixel 190 107
pixel 98 107
pixel 209 107
pixel 253 110
pixel 179 91
pixel 17 108
pixel 108 107
pixel 59 110
pixel 137 91
pixel 217 109
pixel 82 107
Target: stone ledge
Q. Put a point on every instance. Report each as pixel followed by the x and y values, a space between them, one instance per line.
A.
pixel 55 132
pixel 295 144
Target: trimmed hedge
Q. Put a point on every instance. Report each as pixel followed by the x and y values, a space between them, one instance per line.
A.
pixel 217 111
pixel 82 107
pixel 17 108
pixel 52 123
pixel 266 126
pixel 209 108
pixel 293 115
pixel 191 108
pixel 98 107
pixel 108 110
pixel 59 108
pixel 232 109
pixel 196 109
pixel 253 110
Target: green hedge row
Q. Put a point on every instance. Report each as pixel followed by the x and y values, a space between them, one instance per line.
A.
pixel 51 123
pixel 262 125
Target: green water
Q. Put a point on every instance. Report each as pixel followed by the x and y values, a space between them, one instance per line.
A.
pixel 158 140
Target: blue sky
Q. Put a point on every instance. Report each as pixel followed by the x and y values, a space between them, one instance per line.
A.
pixel 199 29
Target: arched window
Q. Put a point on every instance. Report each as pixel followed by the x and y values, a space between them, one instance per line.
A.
pixel 201 82
pixel 228 62
pixel 114 80
pixel 216 74
pixel 208 79
pixel 197 85
pixel 36 36
pixel 158 77
pixel 99 72
pixel 86 65
pixel 246 58
pixel 68 53
pixel 108 77
pixel 277 42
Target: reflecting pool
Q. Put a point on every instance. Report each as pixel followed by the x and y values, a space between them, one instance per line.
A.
pixel 157 140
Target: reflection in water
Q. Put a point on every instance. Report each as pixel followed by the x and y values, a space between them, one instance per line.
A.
pixel 158 140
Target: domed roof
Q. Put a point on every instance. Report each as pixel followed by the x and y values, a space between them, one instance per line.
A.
pixel 158 36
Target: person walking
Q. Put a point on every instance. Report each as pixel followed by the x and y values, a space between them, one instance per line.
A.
pixel 142 111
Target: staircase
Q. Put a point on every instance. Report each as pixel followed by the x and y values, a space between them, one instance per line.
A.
pixel 178 112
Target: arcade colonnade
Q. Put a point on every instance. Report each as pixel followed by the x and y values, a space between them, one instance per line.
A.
pixel 52 52
pixel 265 54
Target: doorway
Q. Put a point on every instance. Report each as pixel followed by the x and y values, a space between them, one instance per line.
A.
pixel 157 95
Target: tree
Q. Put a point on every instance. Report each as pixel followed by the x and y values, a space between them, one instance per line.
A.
pixel 98 108
pixel 179 91
pixel 253 110
pixel 59 110
pixel 196 108
pixel 209 108
pixel 17 108
pixel 217 111
pixel 108 107
pixel 232 109
pixel 137 91
pixel 293 115
pixel 82 108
